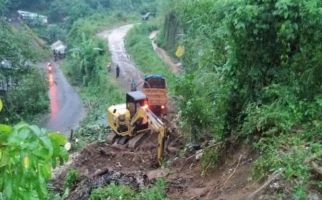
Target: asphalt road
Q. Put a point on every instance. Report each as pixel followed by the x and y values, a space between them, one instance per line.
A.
pixel 66 107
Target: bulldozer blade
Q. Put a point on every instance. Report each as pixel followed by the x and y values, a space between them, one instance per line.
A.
pixel 111 138
pixel 136 140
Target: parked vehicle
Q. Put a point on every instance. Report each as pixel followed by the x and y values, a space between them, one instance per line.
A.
pixel 155 89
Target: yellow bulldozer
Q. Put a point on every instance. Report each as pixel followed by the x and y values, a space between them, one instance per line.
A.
pixel 132 121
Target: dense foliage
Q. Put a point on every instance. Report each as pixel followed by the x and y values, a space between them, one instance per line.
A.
pixel 27 156
pixel 253 70
pixel 73 10
pixel 67 12
pixel 19 49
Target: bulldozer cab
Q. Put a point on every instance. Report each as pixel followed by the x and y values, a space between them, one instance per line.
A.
pixel 154 81
pixel 135 100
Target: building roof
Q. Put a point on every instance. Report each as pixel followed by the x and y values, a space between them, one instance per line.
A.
pixel 58 46
pixel 31 15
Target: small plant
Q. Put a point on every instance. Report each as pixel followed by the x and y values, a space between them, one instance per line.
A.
pixel 113 191
pixel 156 192
pixel 209 158
pixel 72 178
pixel 122 192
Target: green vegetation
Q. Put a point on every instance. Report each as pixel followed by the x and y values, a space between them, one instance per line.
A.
pixel 253 73
pixel 71 178
pixel 140 48
pixel 169 34
pixel 27 153
pixel 71 11
pixel 18 48
pixel 87 68
pixel 121 192
pixel 27 156
pixel 20 104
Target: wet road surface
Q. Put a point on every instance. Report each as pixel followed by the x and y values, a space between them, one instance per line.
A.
pixel 128 71
pixel 66 107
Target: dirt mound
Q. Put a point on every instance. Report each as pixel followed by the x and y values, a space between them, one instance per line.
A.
pixel 231 180
pixel 100 164
pixel 101 156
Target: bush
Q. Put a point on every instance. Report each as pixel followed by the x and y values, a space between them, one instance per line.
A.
pixel 72 177
pixel 156 192
pixel 265 62
pixel 27 95
pixel 28 98
pixel 113 191
pixel 28 155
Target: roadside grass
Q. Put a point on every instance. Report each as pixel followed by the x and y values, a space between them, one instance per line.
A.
pixel 138 45
pixel 293 156
pixel 122 192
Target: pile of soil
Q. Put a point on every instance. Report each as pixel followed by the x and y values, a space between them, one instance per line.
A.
pixel 99 164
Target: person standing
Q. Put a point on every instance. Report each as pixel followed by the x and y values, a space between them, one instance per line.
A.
pixel 117 71
pixel 55 55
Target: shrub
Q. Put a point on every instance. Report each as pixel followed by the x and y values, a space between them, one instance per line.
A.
pixel 71 178
pixel 121 192
pixel 27 156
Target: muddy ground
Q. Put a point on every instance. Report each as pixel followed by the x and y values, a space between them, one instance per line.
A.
pixel 99 162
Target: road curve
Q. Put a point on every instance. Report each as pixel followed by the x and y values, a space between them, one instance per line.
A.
pixel 66 107
pixel 128 71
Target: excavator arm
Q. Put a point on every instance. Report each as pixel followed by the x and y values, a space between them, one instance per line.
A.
pixel 156 124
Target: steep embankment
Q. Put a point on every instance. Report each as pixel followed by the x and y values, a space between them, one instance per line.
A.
pixel 23 87
pixel 252 75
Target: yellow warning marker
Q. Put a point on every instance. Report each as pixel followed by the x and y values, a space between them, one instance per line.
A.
pixel 26 162
pixel 1 105
pixel 180 51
